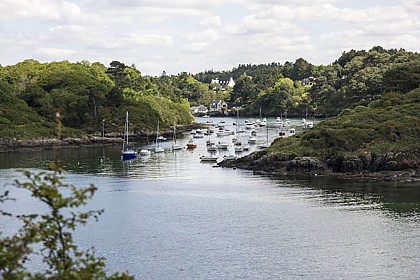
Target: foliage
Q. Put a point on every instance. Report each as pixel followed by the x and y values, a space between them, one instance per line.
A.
pixel 51 233
pixel 360 77
pixel 388 125
pixel 85 94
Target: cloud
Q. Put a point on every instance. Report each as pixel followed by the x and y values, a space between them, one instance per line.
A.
pixel 54 53
pixel 47 10
pixel 211 21
pixel 191 35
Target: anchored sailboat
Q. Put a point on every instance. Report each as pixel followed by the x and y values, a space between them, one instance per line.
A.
pixel 127 152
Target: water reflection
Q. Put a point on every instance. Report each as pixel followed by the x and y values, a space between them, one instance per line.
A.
pixel 398 198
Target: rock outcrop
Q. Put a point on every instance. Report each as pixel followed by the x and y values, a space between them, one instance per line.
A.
pixel 386 166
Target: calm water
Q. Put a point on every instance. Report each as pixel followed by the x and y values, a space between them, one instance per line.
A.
pixel 168 216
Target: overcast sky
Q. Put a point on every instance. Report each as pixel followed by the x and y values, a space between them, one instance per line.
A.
pixel 198 35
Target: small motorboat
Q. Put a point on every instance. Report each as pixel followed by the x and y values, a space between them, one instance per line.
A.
pixel 222 145
pixel 252 140
pixel 191 144
pixel 212 148
pixel 209 158
pixel 144 152
pixel 230 156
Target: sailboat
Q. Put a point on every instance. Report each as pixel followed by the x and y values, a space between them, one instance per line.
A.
pixel 266 144
pixel 158 148
pixel 238 126
pixel 175 146
pixel 127 152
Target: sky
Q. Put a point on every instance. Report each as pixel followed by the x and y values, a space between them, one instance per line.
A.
pixel 197 35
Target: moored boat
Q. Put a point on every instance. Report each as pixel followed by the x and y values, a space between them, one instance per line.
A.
pixel 191 144
pixel 127 152
pixel 209 158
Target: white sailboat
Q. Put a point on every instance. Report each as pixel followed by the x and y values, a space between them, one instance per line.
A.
pixel 266 144
pixel 175 146
pixel 127 152
pixel 158 148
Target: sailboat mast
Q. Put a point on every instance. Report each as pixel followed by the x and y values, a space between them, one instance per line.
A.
pixel 126 121
pixel 237 121
pixel 174 136
pixel 267 132
pixel 157 134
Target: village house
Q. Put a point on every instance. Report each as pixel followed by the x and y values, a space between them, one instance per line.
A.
pixel 218 106
pixel 224 83
pixel 199 110
pixel 308 82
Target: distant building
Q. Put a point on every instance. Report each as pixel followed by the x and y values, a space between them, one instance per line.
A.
pixel 199 110
pixel 308 82
pixel 224 83
pixel 218 106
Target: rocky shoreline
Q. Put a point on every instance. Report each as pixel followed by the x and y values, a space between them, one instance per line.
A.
pixel 14 145
pixel 19 145
pixel 402 167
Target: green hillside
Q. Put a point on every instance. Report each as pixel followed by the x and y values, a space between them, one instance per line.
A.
pixel 390 124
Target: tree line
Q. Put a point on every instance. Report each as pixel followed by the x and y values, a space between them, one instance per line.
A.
pixel 92 96
pixel 355 78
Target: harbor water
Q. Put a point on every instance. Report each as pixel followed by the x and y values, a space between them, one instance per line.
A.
pixel 170 216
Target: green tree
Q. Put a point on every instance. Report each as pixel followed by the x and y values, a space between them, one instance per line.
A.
pixel 403 77
pixel 244 90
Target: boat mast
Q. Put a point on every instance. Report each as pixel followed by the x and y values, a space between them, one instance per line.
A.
pixel 126 120
pixel 237 120
pixel 174 137
pixel 157 134
pixel 267 132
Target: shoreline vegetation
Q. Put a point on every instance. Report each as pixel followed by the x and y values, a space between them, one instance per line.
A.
pixel 370 101
pixel 8 144
pixel 379 141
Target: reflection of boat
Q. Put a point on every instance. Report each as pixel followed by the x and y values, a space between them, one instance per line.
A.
pixel 127 152
pixel 191 144
pixel 209 158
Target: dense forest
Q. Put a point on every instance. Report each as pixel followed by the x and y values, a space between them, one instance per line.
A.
pixel 91 96
pixel 355 78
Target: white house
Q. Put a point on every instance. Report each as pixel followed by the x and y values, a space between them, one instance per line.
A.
pixel 224 83
pixel 199 110
pixel 218 106
pixel 308 82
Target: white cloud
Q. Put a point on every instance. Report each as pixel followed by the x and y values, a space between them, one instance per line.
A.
pixel 211 21
pixel 54 53
pixel 191 35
